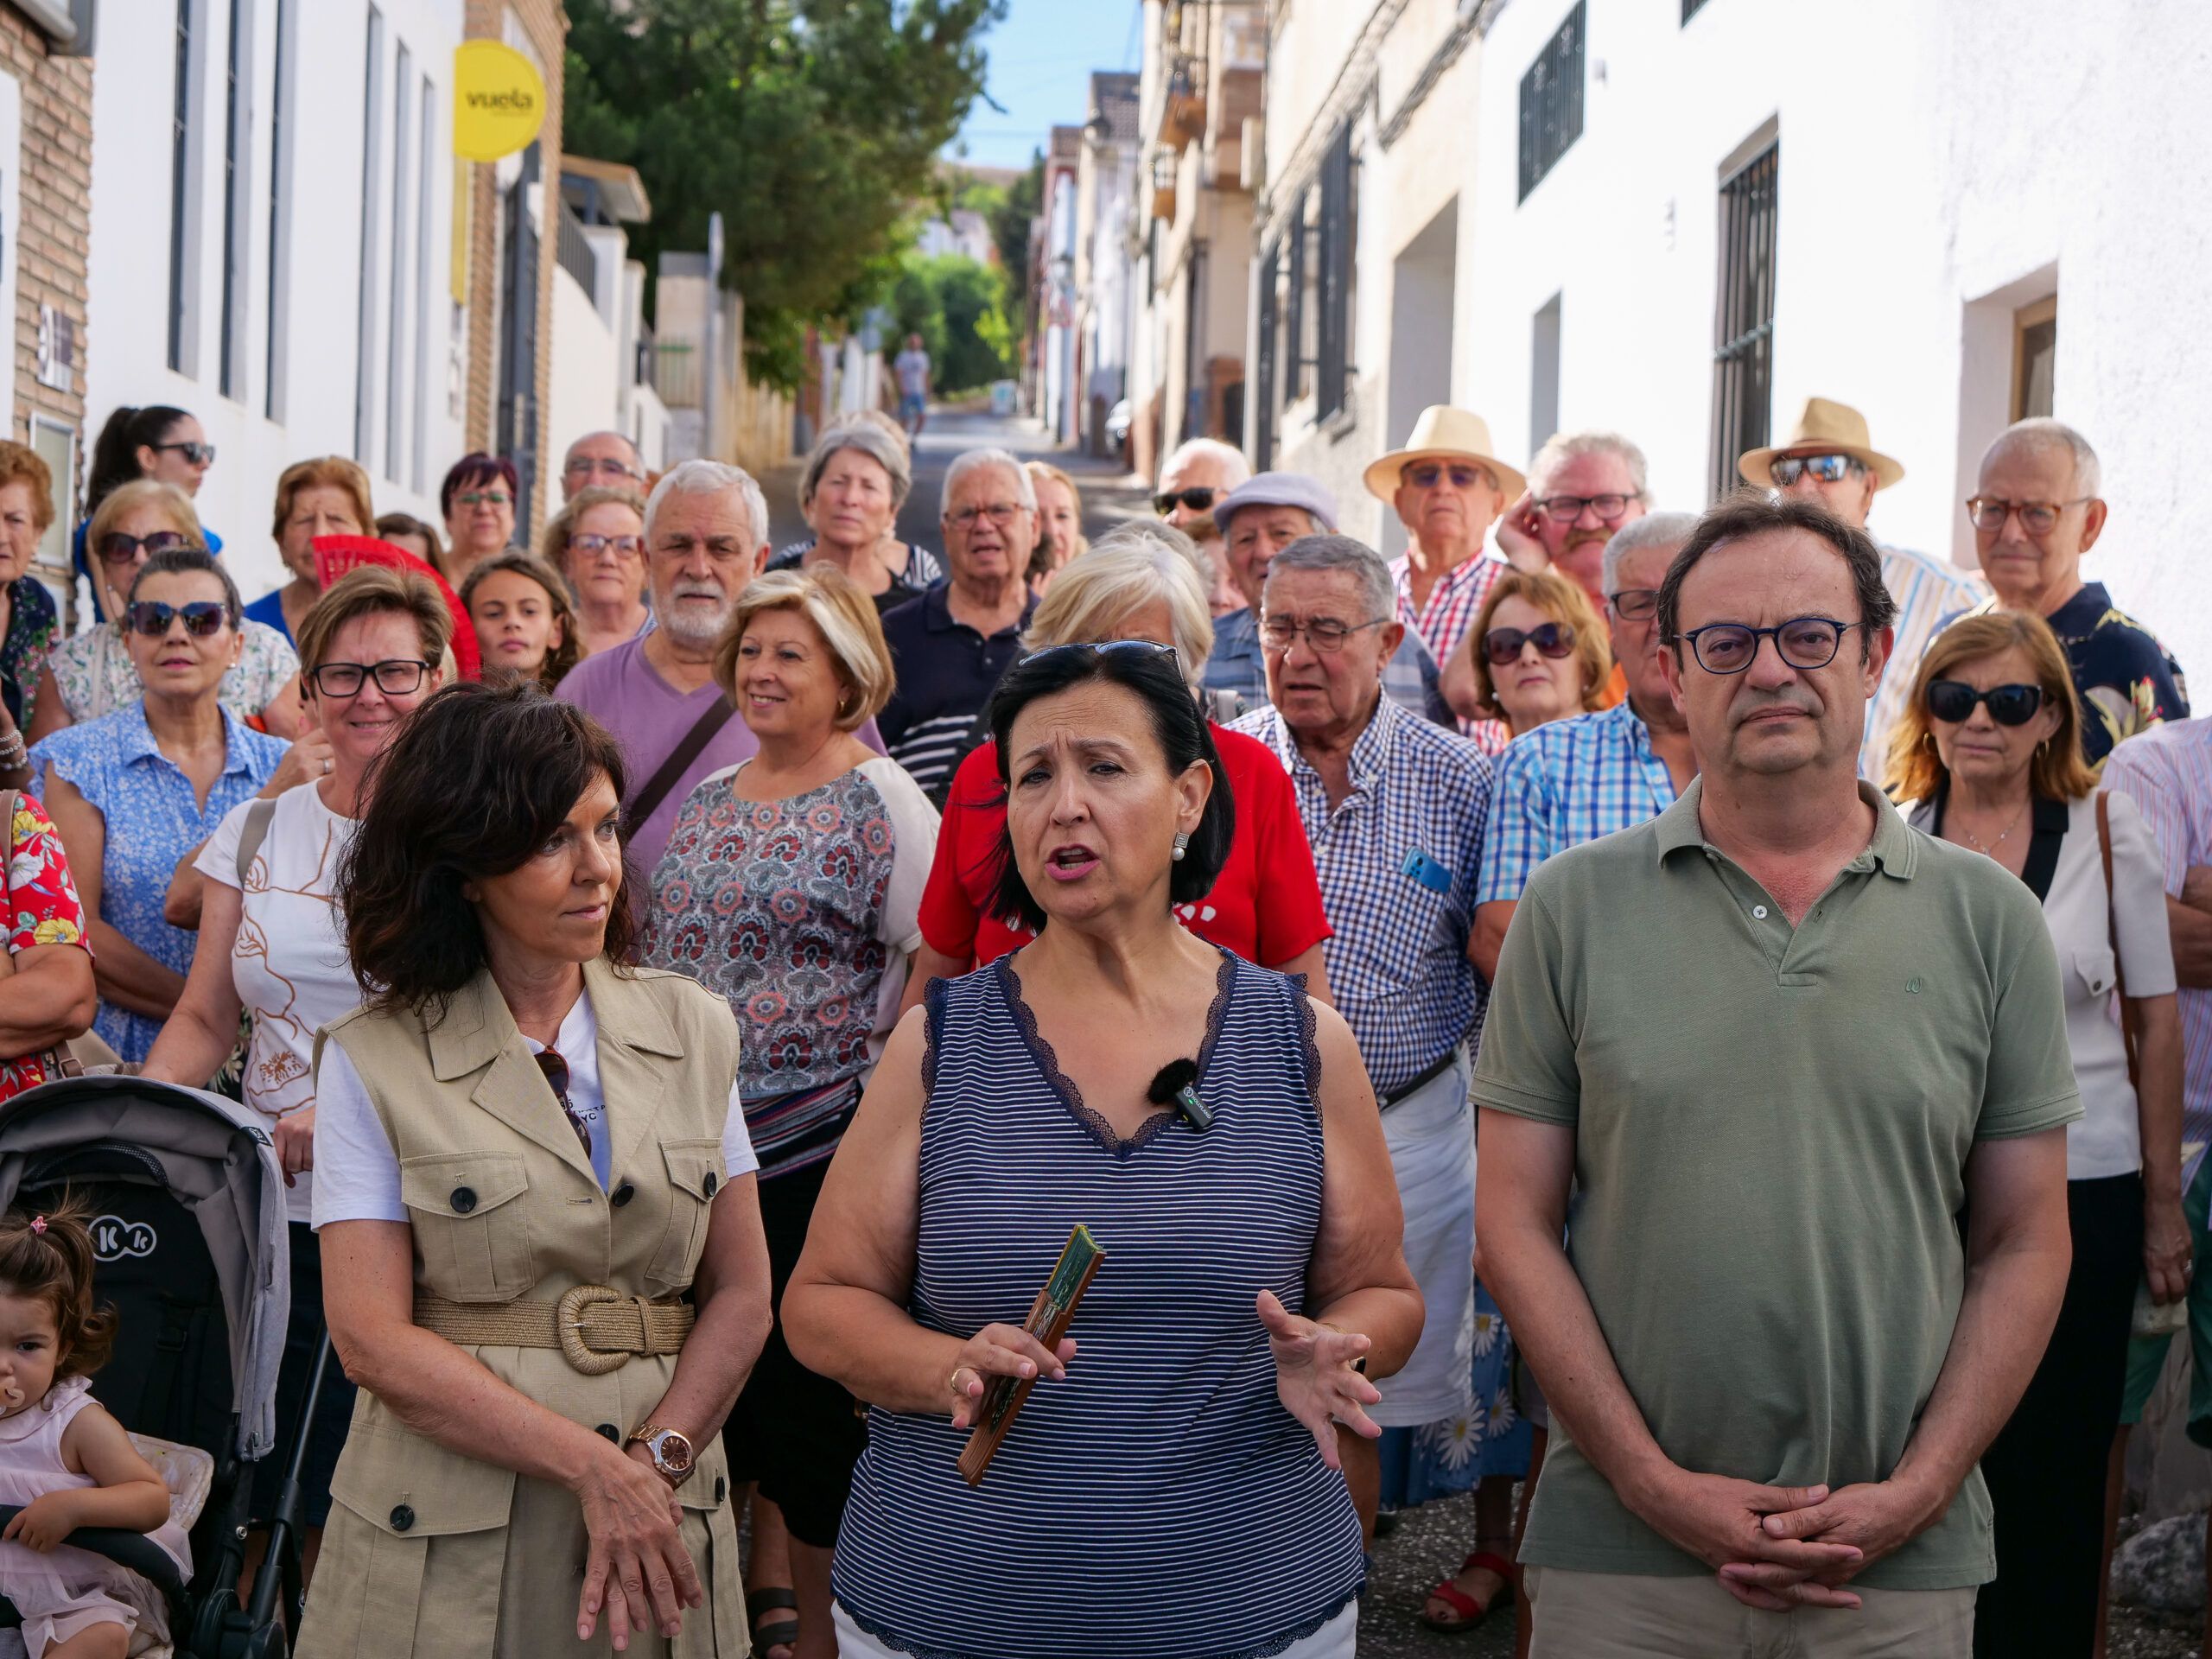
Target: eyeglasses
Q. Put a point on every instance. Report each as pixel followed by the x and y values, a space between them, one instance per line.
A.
pixel 1109 648
pixel 1424 475
pixel 1952 702
pixel 202 617
pixel 396 676
pixel 197 454
pixel 1502 646
pixel 589 467
pixel 116 547
pixel 485 498
pixel 1802 642
pixel 1785 470
pixel 1634 604
pixel 1000 513
pixel 1989 512
pixel 1198 499
pixel 1324 633
pixel 1566 509
pixel 623 547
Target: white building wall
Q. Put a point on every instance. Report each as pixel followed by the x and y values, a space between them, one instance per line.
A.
pixel 585 392
pixel 319 242
pixel 1935 171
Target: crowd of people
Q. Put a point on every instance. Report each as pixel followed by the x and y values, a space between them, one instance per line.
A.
pixel 1698 1019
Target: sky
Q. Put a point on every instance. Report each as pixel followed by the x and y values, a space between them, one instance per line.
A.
pixel 1040 62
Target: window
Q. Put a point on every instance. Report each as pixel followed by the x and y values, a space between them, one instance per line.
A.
pixel 280 196
pixel 1551 103
pixel 1742 344
pixel 1297 350
pixel 1690 8
pixel 395 406
pixel 425 194
pixel 1339 228
pixel 365 359
pixel 2035 353
pixel 1264 368
pixel 179 176
pixel 1543 374
pixel 237 169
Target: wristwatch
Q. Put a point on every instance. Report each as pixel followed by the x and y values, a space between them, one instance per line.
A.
pixel 673 1459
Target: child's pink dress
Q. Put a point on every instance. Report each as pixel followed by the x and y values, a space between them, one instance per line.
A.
pixel 66 1590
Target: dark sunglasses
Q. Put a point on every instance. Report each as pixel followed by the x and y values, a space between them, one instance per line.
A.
pixel 1829 469
pixel 1423 476
pixel 1553 639
pixel 116 547
pixel 1106 648
pixel 200 454
pixel 1951 702
pixel 1198 499
pixel 202 617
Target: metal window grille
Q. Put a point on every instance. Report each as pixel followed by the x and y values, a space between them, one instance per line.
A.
pixel 1551 102
pixel 279 185
pixel 1338 213
pixel 365 359
pixel 1690 8
pixel 1296 358
pixel 179 155
pixel 1264 368
pixel 231 366
pixel 1743 342
pixel 395 343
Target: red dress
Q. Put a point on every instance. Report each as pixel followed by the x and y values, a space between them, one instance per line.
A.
pixel 1268 855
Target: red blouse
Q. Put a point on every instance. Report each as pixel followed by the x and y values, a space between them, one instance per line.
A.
pixel 1268 854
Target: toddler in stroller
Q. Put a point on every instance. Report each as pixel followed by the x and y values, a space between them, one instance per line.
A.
pixel 184 1236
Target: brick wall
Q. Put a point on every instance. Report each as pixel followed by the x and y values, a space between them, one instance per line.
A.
pixel 547 27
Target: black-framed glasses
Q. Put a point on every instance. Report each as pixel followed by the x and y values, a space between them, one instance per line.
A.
pixel 395 676
pixel 198 454
pixel 1324 633
pixel 116 547
pixel 1109 648
pixel 1566 509
pixel 1002 513
pixel 202 617
pixel 1198 499
pixel 1426 474
pixel 1553 639
pixel 1952 702
pixel 1989 512
pixel 557 1078
pixel 1802 642
pixel 1634 604
pixel 1786 470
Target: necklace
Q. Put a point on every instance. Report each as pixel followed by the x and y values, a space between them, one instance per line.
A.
pixel 1989 848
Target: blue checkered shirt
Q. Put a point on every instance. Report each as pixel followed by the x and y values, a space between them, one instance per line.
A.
pixel 1409 678
pixel 1397 957
pixel 1565 783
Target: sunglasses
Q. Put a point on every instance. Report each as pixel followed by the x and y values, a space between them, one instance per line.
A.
pixel 1952 702
pixel 203 618
pixel 484 498
pixel 1424 475
pixel 116 547
pixel 1106 648
pixel 198 454
pixel 1553 639
pixel 1829 469
pixel 1198 499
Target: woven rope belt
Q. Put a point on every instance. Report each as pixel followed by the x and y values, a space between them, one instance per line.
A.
pixel 595 1328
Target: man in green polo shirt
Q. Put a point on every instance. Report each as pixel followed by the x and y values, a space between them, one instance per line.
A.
pixel 1780 1040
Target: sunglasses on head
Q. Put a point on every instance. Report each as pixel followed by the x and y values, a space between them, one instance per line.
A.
pixel 202 617
pixel 1198 499
pixel 197 454
pixel 116 547
pixel 1953 701
pixel 1105 648
pixel 1502 646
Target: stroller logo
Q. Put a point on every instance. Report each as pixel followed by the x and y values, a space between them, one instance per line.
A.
pixel 115 1239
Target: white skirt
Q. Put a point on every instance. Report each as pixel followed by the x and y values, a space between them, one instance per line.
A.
pixel 1337 1639
pixel 1431 1135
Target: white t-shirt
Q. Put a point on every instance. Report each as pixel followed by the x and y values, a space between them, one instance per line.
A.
pixel 358 1172
pixel 290 963
pixel 912 368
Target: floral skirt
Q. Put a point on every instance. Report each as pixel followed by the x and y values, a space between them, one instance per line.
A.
pixel 1487 1436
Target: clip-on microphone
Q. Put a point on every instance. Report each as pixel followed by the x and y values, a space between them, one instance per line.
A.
pixel 1177 1081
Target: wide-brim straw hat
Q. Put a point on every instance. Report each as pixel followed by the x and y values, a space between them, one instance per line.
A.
pixel 1444 433
pixel 1826 427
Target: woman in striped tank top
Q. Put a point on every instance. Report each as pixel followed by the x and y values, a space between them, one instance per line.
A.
pixel 1172 1489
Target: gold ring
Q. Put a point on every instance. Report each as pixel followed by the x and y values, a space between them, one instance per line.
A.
pixel 953 1382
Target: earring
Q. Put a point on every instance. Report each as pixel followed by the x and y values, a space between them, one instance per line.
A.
pixel 1182 845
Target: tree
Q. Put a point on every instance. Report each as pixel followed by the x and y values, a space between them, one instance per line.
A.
pixel 812 125
pixel 958 307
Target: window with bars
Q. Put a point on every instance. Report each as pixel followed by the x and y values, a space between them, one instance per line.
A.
pixel 1743 342
pixel 1551 102
pixel 365 395
pixel 180 168
pixel 1337 227
pixel 1690 8
pixel 281 140
pixel 237 165
pixel 1264 359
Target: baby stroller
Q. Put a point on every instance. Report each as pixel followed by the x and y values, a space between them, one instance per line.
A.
pixel 192 1254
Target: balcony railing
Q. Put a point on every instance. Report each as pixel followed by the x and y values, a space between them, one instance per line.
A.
pixel 573 249
pixel 675 374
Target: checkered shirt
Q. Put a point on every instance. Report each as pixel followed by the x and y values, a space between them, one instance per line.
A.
pixel 1397 958
pixel 1565 783
pixel 1452 603
pixel 1927 591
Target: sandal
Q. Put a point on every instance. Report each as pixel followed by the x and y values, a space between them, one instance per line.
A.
pixel 1470 1612
pixel 777 1632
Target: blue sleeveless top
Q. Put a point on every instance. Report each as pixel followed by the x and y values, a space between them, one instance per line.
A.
pixel 1160 1501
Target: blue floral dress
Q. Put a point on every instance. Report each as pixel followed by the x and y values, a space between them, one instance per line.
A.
pixel 1488 1436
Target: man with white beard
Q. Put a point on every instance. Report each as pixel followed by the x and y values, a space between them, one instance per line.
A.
pixel 705 537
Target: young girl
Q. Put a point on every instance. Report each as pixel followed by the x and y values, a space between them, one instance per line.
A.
pixel 525 625
pixel 64 1459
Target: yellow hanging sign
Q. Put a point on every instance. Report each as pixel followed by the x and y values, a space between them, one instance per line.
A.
pixel 499 101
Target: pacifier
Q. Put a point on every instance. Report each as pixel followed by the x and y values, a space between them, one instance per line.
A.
pixel 13 1394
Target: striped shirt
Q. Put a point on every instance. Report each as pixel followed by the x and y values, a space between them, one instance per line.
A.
pixel 2167 773
pixel 1397 860
pixel 1927 591
pixel 947 673
pixel 1160 1501
pixel 1565 783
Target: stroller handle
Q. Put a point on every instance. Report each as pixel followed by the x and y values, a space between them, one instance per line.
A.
pixel 133 1551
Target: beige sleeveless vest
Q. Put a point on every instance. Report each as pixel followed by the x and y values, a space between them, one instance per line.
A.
pixel 432 1553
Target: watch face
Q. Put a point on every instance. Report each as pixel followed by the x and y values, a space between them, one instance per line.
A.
pixel 673 1451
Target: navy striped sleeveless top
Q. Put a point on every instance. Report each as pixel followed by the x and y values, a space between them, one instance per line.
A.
pixel 1160 1501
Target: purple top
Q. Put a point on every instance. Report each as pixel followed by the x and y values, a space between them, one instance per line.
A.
pixel 624 692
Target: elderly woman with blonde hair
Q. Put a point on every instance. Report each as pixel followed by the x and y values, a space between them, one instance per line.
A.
pixel 1140 581
pixel 1060 524
pixel 790 889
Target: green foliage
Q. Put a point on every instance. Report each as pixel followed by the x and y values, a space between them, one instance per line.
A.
pixel 1021 202
pixel 958 307
pixel 811 124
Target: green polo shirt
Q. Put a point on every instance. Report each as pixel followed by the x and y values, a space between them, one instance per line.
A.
pixel 1771 1129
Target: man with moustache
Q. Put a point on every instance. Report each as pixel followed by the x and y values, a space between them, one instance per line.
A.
pixel 1582 487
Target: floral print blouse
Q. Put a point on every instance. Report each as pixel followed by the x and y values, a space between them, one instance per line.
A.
pixel 42 909
pixel 29 640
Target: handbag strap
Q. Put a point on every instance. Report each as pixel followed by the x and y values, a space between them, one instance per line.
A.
pixel 641 805
pixel 252 833
pixel 2111 932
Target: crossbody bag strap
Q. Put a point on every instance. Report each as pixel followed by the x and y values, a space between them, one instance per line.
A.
pixel 252 833
pixel 642 805
pixel 2128 1035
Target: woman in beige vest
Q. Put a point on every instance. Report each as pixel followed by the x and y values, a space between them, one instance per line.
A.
pixel 525 1154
